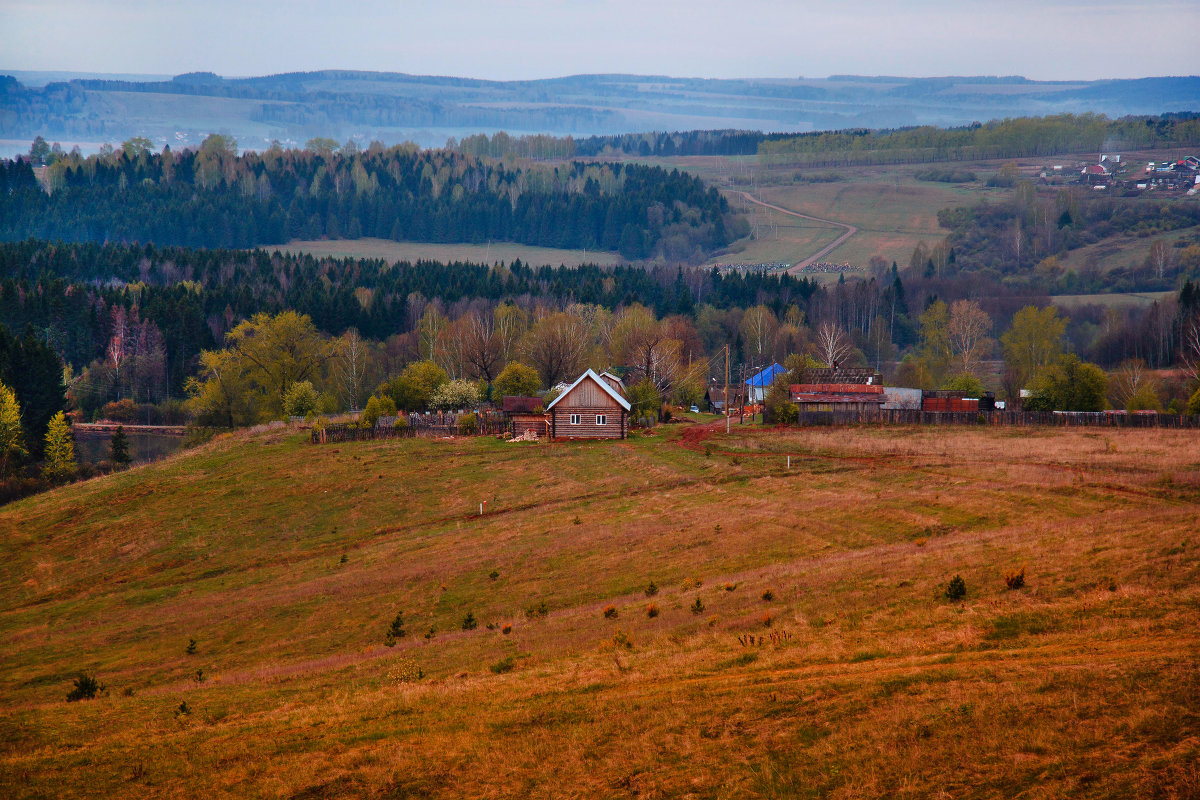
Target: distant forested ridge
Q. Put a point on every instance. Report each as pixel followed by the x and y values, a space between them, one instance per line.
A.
pixel 212 197
pixel 396 107
pixel 68 292
pixel 1009 138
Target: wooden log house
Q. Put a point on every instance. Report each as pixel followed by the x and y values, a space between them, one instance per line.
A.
pixel 590 408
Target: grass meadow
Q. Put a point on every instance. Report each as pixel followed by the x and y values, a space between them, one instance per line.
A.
pixel 800 642
pixel 412 252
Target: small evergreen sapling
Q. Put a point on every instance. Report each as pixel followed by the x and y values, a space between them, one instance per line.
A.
pixel 118 448
pixel 395 630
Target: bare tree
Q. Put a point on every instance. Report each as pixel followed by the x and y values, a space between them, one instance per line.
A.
pixel 1190 350
pixel 1126 381
pixel 832 343
pixel 556 345
pixel 482 348
pixel 350 358
pixel 968 329
pixel 758 331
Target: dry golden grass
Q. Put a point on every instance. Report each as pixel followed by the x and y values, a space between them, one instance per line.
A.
pixel 507 252
pixel 865 683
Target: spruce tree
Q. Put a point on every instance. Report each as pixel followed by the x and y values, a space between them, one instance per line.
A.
pixel 12 437
pixel 118 448
pixel 60 449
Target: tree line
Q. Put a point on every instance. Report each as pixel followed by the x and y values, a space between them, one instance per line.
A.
pixel 213 197
pixel 1008 138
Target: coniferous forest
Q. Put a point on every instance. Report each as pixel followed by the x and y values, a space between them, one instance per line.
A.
pixel 213 197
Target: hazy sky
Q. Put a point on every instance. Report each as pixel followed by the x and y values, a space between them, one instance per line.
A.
pixel 1043 39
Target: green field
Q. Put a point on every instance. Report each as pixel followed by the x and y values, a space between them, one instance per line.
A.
pixel 1139 299
pixel 802 646
pixel 507 252
pixel 781 238
pixel 892 213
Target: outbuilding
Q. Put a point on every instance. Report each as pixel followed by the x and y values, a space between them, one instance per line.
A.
pixel 590 408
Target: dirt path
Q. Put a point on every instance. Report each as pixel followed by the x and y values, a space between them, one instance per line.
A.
pixel 824 251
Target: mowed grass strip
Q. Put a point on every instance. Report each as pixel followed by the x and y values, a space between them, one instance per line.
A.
pixel 803 644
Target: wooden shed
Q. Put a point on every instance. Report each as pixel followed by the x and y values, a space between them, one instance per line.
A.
pixel 590 408
pixel 837 396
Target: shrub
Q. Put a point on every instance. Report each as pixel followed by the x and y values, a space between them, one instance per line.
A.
pixel 540 610
pixel 469 623
pixel 651 589
pixel 1015 580
pixel 610 612
pixel 956 589
pixel 191 648
pixel 507 629
pixel 652 610
pixel 405 670
pixel 455 394
pixel 787 413
pixel 493 574
pixel 768 595
pixel 300 399
pixel 698 606
pixel 183 709
pixel 198 677
pixel 621 639
pixel 965 382
pixel 1193 406
pixel 766 620
pixel 729 587
pixel 467 423
pixel 86 688
pixel 124 410
pixel 377 407
pixel 506 664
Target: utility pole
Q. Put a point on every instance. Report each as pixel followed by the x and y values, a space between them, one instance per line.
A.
pixel 726 388
pixel 742 405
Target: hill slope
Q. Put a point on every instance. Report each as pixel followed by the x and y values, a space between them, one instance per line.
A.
pixel 287 562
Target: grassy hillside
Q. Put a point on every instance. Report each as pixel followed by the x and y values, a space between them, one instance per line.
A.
pixel 287 562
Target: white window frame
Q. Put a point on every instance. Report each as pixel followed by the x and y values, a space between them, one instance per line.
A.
pixel 574 419
pixel 601 419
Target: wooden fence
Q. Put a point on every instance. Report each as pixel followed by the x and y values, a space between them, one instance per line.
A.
pixel 490 424
pixel 432 426
pixel 998 418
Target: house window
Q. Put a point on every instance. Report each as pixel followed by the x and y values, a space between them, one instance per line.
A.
pixel 574 419
pixel 601 419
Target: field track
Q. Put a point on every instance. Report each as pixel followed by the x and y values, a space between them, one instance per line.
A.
pixel 824 251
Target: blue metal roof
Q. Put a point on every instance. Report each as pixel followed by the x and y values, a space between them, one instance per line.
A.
pixel 767 376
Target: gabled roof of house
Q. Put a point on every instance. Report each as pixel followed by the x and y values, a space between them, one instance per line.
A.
pixel 603 384
pixel 620 382
pixel 766 377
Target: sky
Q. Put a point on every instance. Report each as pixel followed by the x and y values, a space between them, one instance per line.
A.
pixel 524 39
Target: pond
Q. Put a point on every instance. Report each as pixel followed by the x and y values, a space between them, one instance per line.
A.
pixel 92 447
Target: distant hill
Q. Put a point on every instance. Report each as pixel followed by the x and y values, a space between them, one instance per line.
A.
pixel 391 107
